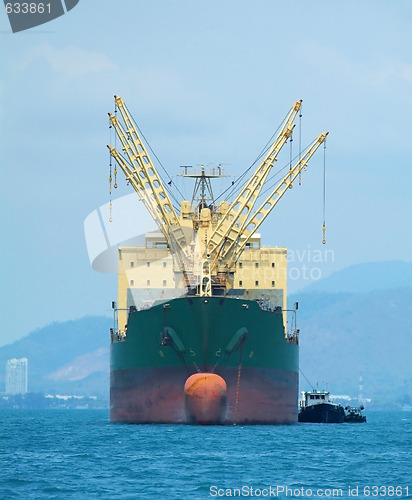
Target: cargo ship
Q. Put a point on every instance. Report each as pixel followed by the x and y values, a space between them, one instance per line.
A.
pixel 201 332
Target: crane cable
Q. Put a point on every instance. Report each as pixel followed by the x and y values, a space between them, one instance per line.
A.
pixel 110 175
pixel 168 185
pixel 290 161
pixel 324 194
pixel 271 181
pixel 300 143
pixel 110 168
pixel 235 184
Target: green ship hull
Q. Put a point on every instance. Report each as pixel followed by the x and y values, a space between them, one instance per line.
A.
pixel 241 342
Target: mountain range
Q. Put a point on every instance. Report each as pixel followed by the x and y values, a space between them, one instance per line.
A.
pixel 355 325
pixel 71 357
pixel 366 277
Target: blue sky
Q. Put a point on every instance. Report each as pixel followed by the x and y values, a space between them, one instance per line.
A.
pixel 208 83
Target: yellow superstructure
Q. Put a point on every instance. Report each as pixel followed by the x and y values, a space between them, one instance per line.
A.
pixel 146 274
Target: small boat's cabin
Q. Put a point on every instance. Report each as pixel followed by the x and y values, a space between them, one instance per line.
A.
pixel 355 411
pixel 314 398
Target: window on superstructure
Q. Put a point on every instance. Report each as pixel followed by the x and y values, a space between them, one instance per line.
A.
pixel 240 283
pixel 256 264
pixel 257 283
pixel 148 264
pixel 273 264
pixel 164 282
pixel 131 282
pixel 131 264
pixel 240 264
pixel 148 282
pixel 273 283
pixel 164 264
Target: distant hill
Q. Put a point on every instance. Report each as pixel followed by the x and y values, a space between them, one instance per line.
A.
pixel 358 322
pixel 345 336
pixel 366 277
pixel 71 357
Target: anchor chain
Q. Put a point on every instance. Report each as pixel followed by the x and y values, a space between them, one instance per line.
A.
pixel 239 374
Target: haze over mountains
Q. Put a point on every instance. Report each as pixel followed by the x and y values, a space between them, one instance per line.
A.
pixel 358 323
pixel 366 277
pixel 355 323
pixel 71 357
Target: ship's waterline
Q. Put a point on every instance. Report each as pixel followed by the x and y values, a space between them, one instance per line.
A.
pixel 219 340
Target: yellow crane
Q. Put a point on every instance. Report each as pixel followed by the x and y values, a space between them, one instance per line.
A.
pixel 205 241
pixel 231 252
pixel 141 173
pixel 228 228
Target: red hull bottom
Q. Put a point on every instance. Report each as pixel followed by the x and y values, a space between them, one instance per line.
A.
pixel 156 395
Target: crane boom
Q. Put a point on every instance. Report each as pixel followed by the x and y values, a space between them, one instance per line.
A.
pixel 242 206
pixel 131 174
pixel 250 226
pixel 145 172
pixel 142 175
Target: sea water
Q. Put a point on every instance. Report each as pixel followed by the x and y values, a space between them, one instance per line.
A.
pixel 79 454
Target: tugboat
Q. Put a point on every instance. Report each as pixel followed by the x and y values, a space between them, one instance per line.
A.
pixel 316 407
pixel 354 414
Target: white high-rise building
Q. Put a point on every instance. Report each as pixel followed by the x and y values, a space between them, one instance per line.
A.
pixel 16 376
